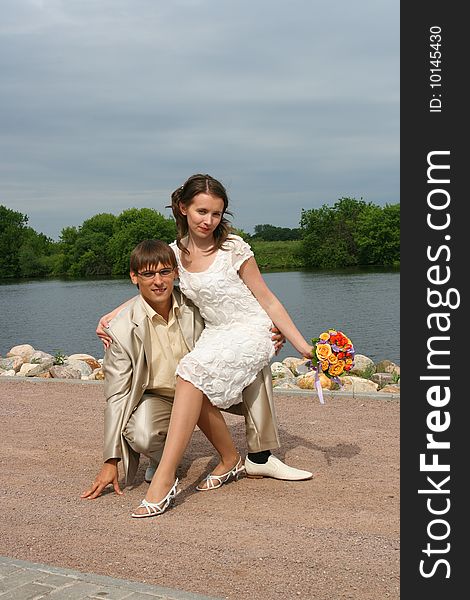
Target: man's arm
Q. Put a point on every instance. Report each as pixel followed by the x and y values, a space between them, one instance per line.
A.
pixel 118 373
pixel 117 368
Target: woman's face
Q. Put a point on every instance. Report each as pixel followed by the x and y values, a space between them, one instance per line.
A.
pixel 203 214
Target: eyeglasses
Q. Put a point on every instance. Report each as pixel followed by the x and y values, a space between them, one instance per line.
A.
pixel 166 272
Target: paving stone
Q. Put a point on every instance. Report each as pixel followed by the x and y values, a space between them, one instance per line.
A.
pixel 111 593
pixel 7 569
pixel 141 596
pixel 23 580
pixel 27 592
pixel 77 591
pixel 16 579
pixel 57 581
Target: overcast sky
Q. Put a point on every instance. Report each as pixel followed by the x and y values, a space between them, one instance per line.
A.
pixel 110 104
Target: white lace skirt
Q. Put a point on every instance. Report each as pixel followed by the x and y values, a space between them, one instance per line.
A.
pixel 223 362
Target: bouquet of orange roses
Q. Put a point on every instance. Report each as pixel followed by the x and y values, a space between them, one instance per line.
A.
pixel 333 355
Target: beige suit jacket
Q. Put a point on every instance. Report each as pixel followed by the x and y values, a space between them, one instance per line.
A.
pixel 126 372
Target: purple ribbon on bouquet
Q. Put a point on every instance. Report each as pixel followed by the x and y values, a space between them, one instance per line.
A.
pixel 318 386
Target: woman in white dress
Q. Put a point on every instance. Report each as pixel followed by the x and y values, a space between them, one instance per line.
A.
pixel 218 272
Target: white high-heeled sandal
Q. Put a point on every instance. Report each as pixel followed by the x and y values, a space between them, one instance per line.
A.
pixel 215 481
pixel 157 508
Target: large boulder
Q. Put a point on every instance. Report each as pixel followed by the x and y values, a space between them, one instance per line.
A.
pixel 11 363
pixel 285 383
pixel 296 365
pixel 79 365
pixel 362 365
pixel 23 350
pixel 64 372
pixel 25 369
pixel 7 373
pixel 392 388
pixel 358 385
pixel 307 381
pixel 387 366
pixel 39 357
pixel 280 370
pixel 92 363
pixel 97 375
pixel 80 356
pixel 35 369
pixel 90 360
pixel 383 378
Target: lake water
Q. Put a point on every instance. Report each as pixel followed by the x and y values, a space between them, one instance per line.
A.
pixel 54 315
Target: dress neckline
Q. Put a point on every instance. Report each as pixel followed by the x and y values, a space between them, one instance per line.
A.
pixel 196 272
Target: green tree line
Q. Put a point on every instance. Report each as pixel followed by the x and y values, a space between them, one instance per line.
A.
pixel 349 233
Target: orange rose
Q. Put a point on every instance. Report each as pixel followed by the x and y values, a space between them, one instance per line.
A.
pixel 323 351
pixel 324 336
pixel 332 359
pixel 324 365
pixel 336 369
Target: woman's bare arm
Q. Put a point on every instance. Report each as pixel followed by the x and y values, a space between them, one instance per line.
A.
pixel 250 274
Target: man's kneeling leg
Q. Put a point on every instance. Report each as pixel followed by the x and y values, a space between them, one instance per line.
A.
pixel 147 428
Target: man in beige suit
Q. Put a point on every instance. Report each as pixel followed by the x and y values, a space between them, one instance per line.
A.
pixel 149 337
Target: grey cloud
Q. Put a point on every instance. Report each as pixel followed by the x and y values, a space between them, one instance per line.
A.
pixel 109 104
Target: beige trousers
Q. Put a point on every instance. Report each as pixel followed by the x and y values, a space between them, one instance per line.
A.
pixel 147 428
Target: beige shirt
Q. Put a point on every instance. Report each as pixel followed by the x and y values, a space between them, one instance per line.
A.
pixel 167 349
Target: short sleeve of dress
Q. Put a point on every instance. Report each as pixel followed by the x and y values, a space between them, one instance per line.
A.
pixel 175 249
pixel 240 251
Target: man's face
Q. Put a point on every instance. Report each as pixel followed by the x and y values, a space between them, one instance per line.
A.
pixel 156 284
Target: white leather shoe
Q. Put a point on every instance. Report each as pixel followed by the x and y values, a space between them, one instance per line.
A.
pixel 150 471
pixel 276 469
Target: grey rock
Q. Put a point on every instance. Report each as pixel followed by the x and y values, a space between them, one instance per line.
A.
pixel 296 365
pixel 64 372
pixel 79 365
pixel 12 362
pixel 362 364
pixel 382 378
pixel 280 370
pixel 392 388
pixel 7 373
pixel 358 385
pixel 39 357
pixel 387 366
pixel 33 370
pixel 282 382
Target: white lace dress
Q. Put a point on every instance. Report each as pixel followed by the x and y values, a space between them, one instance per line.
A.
pixel 236 342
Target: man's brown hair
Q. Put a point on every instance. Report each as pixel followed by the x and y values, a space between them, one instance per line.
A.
pixel 150 253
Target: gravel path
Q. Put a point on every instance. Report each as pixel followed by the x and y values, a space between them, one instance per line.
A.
pixel 334 537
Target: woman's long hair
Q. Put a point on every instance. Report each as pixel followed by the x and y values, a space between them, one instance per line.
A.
pixel 199 184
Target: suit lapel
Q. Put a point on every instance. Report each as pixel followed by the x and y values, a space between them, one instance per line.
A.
pixel 186 323
pixel 141 331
